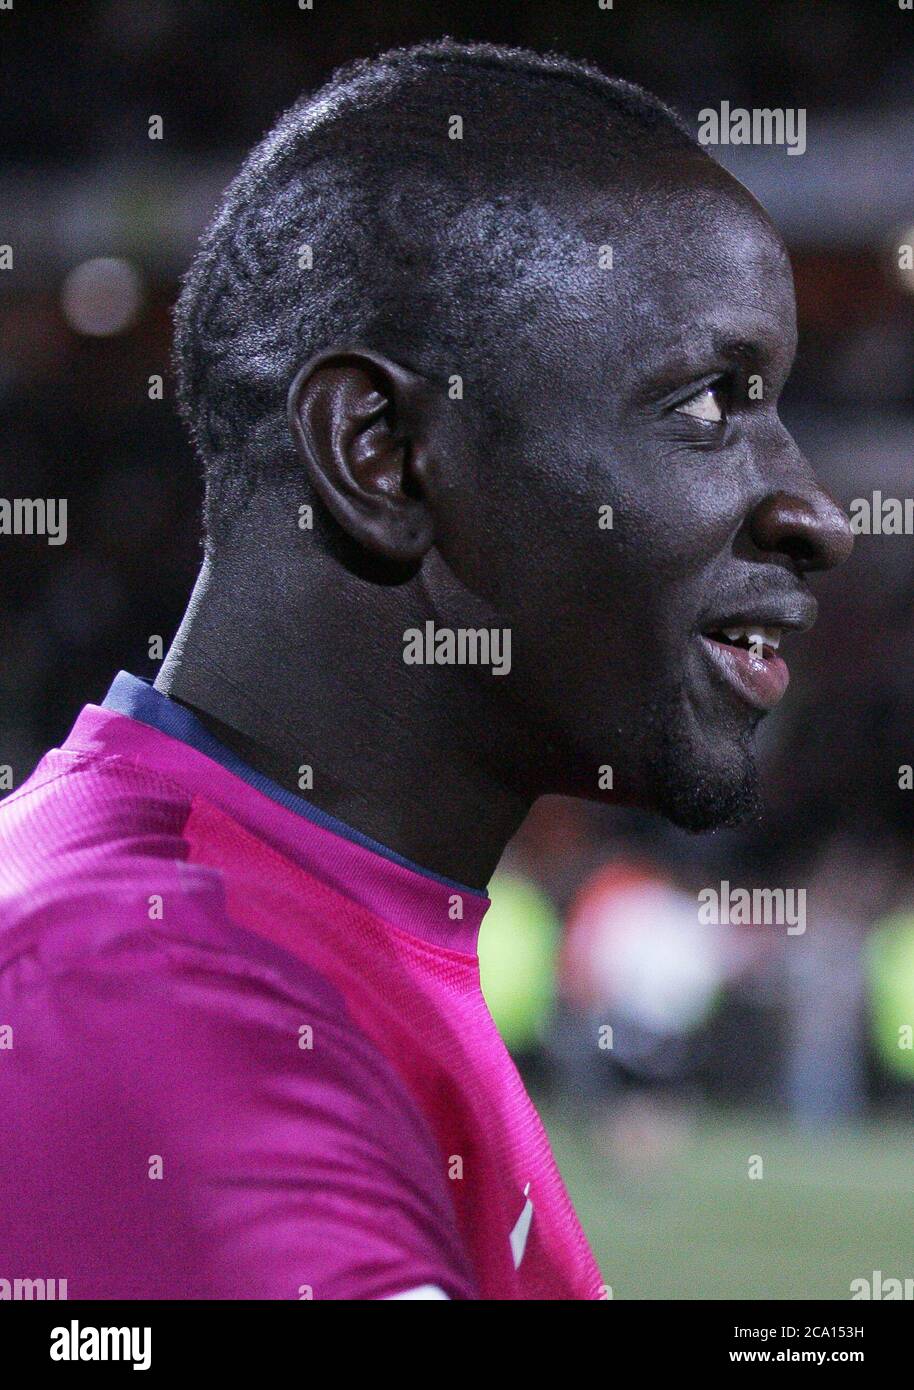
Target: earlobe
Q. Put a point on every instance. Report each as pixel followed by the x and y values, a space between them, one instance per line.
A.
pixel 359 425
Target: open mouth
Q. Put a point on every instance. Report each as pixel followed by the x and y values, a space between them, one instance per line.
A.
pixel 761 641
pixel 746 657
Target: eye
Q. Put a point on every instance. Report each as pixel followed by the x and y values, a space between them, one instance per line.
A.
pixel 708 404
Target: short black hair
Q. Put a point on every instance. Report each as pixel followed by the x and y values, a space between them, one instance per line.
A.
pixel 360 219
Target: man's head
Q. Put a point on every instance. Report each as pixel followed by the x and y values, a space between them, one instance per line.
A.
pixel 521 341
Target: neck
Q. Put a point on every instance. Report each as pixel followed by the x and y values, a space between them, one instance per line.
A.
pixel 294 675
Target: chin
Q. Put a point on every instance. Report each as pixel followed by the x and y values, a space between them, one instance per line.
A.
pixel 701 782
pixel 711 805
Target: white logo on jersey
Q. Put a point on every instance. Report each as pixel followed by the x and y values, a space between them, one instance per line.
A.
pixel 518 1236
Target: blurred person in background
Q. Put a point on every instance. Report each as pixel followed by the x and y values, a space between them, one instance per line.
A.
pixel 639 978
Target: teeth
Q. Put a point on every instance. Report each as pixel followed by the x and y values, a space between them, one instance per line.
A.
pixel 757 637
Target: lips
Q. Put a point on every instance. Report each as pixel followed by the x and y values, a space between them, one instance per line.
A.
pixel 756 673
pixel 743 652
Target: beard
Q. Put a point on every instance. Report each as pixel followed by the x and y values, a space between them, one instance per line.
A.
pixel 688 789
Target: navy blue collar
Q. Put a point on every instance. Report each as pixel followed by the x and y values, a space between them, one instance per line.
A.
pixel 139 700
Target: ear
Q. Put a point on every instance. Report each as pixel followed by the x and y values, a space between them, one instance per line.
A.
pixel 360 426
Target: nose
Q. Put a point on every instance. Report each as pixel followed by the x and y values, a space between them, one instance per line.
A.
pixel 811 529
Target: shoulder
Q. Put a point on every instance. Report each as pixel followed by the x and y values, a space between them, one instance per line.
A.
pixel 195 1074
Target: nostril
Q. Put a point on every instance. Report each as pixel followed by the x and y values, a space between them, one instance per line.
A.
pixel 813 532
pixel 800 549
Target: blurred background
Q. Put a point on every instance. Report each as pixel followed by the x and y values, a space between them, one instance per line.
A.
pixel 732 1106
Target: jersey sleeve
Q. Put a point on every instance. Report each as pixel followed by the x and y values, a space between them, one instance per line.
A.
pixel 182 1121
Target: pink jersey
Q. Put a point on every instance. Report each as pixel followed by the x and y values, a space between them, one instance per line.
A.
pixel 243 1048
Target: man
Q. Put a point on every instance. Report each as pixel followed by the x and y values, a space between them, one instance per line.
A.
pixel 482 356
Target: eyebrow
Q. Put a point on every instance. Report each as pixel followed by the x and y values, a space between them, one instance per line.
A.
pixel 755 350
pixel 742 350
pixel 696 358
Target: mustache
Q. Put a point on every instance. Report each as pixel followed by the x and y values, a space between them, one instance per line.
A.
pixel 771 601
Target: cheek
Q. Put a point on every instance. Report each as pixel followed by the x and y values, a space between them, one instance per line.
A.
pixel 674 525
pixel 609 540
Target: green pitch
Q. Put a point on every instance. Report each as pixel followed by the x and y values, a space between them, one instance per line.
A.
pixel 830 1208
